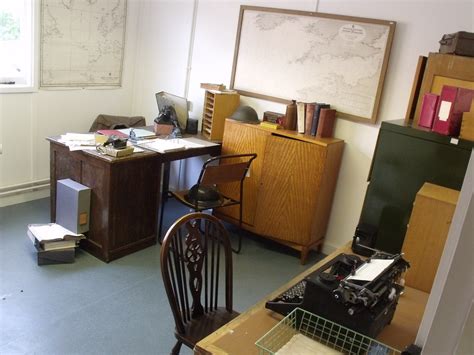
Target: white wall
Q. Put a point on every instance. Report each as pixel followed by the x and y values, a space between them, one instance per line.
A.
pixel 420 25
pixel 26 119
pixel 156 57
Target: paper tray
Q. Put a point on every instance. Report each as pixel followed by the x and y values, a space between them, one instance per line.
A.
pixel 324 331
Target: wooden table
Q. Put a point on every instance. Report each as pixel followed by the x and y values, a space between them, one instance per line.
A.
pixel 125 196
pixel 239 335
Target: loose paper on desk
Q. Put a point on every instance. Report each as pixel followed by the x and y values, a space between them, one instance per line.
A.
pixel 370 270
pixel 52 231
pixel 171 145
pixel 163 145
pixel 78 141
pixel 140 133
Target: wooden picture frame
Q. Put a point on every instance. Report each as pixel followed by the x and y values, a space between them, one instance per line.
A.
pixel 282 55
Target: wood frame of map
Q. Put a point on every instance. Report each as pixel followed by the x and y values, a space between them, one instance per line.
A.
pixel 264 66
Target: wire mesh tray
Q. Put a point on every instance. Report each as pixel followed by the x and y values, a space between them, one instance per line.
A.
pixel 330 334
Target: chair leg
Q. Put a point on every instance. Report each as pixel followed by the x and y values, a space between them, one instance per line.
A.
pixel 160 226
pixel 176 348
pixel 237 251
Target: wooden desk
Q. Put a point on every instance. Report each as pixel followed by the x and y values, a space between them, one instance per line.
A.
pixel 239 335
pixel 125 196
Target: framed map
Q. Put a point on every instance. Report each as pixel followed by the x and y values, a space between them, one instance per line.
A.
pixel 282 55
pixel 82 42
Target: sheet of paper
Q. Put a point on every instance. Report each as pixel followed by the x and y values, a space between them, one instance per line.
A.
pixel 78 141
pixel 444 109
pixel 193 142
pixel 163 145
pixel 139 132
pixel 369 271
pixel 300 344
pixel 81 147
pixel 78 137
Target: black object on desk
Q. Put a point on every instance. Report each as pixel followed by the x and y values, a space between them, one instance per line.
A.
pixel 333 293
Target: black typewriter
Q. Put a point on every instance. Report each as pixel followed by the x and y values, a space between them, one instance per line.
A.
pixel 360 295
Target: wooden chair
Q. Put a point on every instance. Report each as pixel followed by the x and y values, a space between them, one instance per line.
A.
pixel 219 170
pixel 191 256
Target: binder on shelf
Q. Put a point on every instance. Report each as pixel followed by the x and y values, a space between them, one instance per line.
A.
pixel 428 110
pixel 453 102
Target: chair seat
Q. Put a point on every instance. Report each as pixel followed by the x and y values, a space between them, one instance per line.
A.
pixel 203 205
pixel 201 327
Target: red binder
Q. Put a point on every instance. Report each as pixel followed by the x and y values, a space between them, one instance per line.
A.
pixel 453 101
pixel 428 110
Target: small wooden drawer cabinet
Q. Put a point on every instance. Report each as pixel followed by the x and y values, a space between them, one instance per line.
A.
pixel 289 191
pixel 426 235
pixel 217 106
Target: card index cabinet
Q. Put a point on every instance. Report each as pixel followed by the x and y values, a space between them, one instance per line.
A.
pixel 218 105
pixel 289 191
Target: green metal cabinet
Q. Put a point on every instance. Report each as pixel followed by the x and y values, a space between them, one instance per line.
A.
pixel 404 159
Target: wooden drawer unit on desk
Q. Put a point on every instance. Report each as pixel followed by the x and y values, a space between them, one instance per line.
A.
pixel 124 199
pixel 289 192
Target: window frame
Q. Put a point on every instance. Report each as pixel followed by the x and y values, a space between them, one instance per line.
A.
pixel 33 86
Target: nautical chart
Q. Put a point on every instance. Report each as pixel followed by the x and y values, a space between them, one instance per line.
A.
pixel 309 58
pixel 82 42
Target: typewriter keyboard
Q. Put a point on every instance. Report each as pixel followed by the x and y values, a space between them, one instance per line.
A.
pixel 294 294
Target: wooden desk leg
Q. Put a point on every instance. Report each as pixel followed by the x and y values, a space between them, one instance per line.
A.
pixel 165 180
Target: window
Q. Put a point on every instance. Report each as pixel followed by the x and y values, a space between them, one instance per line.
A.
pixel 17 45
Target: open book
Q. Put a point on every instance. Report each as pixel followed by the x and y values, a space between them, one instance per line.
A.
pixel 52 236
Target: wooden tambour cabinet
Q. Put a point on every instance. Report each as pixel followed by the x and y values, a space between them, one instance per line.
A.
pixel 124 199
pixel 288 193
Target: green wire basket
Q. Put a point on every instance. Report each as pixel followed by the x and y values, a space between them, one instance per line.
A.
pixel 330 334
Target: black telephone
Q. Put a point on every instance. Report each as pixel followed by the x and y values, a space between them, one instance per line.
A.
pixel 116 142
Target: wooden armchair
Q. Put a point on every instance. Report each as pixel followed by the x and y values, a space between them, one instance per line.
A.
pixel 191 256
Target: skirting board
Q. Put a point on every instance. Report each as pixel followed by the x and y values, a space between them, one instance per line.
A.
pixel 23 197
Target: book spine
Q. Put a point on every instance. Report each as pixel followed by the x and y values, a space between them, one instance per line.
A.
pixel 444 112
pixel 315 122
pixel 327 117
pixel 301 111
pixel 309 117
pixel 428 110
pixel 462 104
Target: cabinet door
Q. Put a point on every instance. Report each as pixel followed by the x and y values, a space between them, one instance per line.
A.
pixel 240 139
pixel 290 187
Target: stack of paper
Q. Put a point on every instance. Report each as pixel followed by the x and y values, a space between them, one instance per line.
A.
pixel 78 141
pixel 52 236
pixel 140 133
pixel 163 145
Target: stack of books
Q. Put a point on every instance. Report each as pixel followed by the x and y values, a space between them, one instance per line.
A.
pixel 315 119
pixel 54 243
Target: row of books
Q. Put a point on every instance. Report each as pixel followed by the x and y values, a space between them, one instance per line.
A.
pixel 443 113
pixel 316 119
